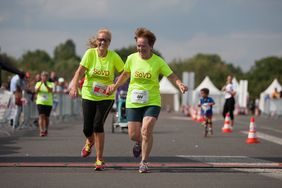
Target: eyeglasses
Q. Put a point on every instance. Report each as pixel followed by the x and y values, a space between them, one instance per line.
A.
pixel 103 40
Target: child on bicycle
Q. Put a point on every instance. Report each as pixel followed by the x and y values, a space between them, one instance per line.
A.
pixel 206 103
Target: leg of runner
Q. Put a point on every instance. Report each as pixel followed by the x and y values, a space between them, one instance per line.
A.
pixel 147 136
pixel 134 133
pixel 99 145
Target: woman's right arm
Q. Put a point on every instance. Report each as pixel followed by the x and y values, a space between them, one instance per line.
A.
pixel 38 88
pixel 74 82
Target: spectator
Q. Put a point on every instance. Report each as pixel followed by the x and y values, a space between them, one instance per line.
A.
pixel 17 85
pixel 60 87
pixel 229 94
pixel 53 77
pixel 275 94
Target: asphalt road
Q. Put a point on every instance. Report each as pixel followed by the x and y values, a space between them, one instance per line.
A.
pixel 181 156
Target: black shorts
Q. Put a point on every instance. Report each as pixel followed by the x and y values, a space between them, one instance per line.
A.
pixel 137 114
pixel 44 109
pixel 94 115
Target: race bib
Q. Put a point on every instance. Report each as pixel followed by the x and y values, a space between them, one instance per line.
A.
pixel 139 96
pixel 206 107
pixel 99 89
pixel 44 97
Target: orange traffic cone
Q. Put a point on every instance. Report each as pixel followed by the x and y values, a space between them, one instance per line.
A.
pixel 227 127
pixel 194 114
pixel 252 136
pixel 200 118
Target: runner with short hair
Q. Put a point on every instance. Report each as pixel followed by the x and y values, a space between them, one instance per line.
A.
pixel 143 102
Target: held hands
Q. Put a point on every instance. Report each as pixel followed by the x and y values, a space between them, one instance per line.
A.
pixel 110 89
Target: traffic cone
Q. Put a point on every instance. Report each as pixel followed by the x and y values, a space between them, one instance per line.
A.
pixel 252 136
pixel 200 118
pixel 194 114
pixel 227 127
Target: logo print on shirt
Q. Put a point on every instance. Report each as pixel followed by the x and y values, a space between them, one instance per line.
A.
pixel 142 75
pixel 101 72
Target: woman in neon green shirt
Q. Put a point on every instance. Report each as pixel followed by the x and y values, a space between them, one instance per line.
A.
pixel 44 101
pixel 98 65
pixel 143 100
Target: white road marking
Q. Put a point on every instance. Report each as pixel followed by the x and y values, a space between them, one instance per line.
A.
pixel 271 129
pixel 210 156
pixel 267 137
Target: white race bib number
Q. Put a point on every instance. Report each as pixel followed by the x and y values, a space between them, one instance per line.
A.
pixel 139 96
pixel 206 107
pixel 99 89
pixel 44 97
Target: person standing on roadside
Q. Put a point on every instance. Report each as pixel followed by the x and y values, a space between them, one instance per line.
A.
pixel 98 66
pixel 143 102
pixel 229 95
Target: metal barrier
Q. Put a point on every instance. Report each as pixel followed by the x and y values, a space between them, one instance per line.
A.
pixel 273 107
pixel 63 109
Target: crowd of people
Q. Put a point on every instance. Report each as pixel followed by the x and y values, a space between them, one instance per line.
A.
pixel 35 88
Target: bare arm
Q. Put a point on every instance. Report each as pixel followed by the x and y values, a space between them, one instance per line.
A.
pixel 173 78
pixel 74 82
pixel 38 89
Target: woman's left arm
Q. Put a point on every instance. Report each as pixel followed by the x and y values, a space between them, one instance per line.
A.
pixel 182 87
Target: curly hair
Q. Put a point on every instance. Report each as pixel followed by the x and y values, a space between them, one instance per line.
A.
pixel 146 33
pixel 92 42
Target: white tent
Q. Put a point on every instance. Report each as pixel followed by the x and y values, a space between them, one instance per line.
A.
pixel 267 93
pixel 169 94
pixel 215 93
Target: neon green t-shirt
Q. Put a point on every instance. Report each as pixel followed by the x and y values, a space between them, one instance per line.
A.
pixel 144 88
pixel 100 73
pixel 43 96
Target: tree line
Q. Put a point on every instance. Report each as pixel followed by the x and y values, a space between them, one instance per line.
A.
pixel 65 61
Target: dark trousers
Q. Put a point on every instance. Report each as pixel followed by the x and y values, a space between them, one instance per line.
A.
pixel 94 115
pixel 229 107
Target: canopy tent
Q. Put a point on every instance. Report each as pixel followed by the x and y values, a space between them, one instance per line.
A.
pixel 215 93
pixel 169 94
pixel 266 94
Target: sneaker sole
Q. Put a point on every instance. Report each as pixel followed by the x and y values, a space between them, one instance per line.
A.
pixel 99 168
pixel 144 172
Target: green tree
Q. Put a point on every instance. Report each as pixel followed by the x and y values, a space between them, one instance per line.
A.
pixel 65 51
pixel 263 73
pixel 36 61
pixel 206 65
pixel 66 60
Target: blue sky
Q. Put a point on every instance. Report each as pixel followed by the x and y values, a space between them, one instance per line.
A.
pixel 240 31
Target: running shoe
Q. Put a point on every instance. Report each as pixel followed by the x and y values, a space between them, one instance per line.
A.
pixel 99 165
pixel 86 150
pixel 42 134
pixel 143 168
pixel 46 133
pixel 137 150
pixel 211 131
